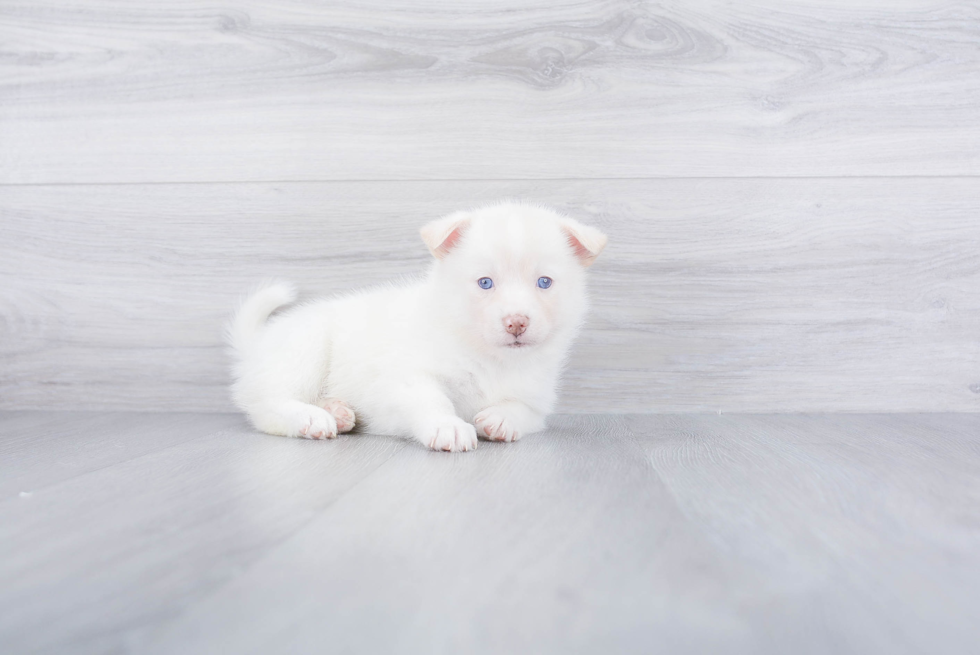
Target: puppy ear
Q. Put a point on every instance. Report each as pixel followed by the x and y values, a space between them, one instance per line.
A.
pixel 442 234
pixel 586 242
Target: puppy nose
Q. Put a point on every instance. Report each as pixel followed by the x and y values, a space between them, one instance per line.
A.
pixel 516 323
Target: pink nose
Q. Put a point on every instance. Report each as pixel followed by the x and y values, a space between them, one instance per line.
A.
pixel 516 323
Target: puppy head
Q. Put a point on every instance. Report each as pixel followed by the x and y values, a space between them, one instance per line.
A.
pixel 512 276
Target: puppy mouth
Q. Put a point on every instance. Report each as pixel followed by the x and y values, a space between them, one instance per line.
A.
pixel 517 343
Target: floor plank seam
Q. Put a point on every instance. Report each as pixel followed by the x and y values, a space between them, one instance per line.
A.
pixel 113 464
pixel 272 548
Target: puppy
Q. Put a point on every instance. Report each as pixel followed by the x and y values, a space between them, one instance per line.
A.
pixel 475 348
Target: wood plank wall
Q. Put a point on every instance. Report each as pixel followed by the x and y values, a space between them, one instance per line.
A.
pixel 792 190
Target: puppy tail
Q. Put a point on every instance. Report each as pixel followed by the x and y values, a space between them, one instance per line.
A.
pixel 255 310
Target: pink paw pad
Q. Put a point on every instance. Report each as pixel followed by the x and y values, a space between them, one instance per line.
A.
pixel 342 412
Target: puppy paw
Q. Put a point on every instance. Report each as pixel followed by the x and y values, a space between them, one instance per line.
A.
pixel 342 413
pixel 315 423
pixel 495 427
pixel 449 433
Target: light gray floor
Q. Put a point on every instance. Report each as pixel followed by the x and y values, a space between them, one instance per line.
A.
pixel 190 533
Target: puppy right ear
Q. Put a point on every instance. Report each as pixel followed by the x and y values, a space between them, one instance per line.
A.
pixel 442 235
pixel 586 241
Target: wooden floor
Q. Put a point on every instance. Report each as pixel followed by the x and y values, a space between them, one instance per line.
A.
pixel 191 533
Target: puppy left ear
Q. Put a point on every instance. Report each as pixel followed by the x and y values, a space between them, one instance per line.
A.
pixel 442 235
pixel 586 242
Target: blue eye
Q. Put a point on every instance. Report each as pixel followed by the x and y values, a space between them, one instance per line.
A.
pixel 485 283
pixel 544 282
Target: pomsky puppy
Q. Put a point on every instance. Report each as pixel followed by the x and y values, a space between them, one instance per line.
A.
pixel 476 347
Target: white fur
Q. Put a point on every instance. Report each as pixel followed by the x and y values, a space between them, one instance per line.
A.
pixel 427 358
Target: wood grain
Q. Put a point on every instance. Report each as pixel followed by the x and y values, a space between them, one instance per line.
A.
pixel 158 510
pixel 714 295
pixel 102 91
pixel 686 533
pixel 36 450
pixel 845 519
pixel 546 547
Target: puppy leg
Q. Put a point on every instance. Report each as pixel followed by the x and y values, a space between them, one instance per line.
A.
pixel 446 432
pixel 417 407
pixel 435 424
pixel 508 421
pixel 292 418
pixel 342 413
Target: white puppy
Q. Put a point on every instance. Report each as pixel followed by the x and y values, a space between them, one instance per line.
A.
pixel 480 340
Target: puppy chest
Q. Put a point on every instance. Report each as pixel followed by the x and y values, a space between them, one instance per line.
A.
pixel 465 392
pixel 471 393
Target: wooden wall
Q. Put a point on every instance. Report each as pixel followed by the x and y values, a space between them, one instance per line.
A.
pixel 792 190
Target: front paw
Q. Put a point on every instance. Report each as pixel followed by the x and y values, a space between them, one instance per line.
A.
pixel 495 426
pixel 314 423
pixel 449 433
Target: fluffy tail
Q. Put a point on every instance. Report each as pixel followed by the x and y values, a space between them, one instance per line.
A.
pixel 254 311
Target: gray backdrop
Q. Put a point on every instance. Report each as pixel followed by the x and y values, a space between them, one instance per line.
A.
pixel 790 189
